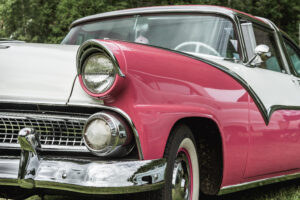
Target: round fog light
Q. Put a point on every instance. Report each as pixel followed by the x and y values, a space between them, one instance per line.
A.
pixel 107 135
pixel 98 134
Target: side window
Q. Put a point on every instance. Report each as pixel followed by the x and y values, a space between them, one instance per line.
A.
pixel 264 36
pixel 293 54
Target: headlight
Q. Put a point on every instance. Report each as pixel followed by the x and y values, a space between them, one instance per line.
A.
pixel 98 73
pixel 107 135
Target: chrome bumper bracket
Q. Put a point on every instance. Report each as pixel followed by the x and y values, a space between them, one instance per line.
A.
pixel 30 160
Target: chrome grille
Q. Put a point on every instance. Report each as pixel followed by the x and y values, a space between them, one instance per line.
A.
pixel 60 132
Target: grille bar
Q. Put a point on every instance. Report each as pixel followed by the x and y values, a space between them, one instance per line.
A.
pixel 59 132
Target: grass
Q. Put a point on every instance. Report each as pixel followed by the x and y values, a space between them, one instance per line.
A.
pixel 289 190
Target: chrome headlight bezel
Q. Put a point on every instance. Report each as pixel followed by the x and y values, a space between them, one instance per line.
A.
pixel 121 137
pixel 92 48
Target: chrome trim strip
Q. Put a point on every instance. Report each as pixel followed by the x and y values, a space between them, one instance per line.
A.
pixel 73 85
pixel 48 147
pixel 123 114
pixel 87 177
pixel 50 103
pixel 41 116
pixel 252 184
pixel 154 10
pixel 241 39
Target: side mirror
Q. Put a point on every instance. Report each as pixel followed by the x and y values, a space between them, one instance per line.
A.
pixel 261 54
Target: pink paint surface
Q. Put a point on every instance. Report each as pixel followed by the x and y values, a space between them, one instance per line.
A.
pixel 273 148
pixel 163 87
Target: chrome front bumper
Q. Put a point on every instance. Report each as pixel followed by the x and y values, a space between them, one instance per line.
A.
pixel 85 176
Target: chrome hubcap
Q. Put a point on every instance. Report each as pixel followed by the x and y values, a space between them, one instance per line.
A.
pixel 181 183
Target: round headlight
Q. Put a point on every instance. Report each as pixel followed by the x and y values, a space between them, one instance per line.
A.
pixel 98 73
pixel 107 135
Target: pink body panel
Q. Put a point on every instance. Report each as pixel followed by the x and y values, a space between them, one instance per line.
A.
pixel 275 147
pixel 163 87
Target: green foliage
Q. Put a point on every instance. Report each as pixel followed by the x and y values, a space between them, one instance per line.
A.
pixel 69 10
pixel 27 19
pixel 285 14
pixel 48 21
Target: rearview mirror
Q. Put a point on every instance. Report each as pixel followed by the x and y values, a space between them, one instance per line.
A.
pixel 261 54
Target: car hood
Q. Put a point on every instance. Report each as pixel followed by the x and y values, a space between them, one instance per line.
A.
pixel 37 73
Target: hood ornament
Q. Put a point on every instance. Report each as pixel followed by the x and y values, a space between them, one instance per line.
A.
pixel 30 143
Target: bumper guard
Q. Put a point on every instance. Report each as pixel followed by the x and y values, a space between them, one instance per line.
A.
pixel 30 171
pixel 88 177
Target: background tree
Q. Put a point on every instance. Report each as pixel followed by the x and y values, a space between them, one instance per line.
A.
pixel 48 21
pixel 27 19
pixel 69 10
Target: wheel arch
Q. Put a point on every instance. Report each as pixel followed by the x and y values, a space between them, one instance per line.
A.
pixel 209 145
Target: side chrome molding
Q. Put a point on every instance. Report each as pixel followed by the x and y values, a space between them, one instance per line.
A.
pixel 253 184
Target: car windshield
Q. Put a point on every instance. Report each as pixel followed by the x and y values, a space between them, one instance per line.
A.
pixel 199 35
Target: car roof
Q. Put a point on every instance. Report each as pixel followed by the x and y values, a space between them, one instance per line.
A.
pixel 162 9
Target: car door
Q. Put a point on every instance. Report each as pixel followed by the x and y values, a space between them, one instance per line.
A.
pixel 274 123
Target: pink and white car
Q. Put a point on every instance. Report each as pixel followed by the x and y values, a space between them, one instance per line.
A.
pixel 161 101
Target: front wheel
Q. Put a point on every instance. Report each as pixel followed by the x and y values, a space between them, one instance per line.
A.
pixel 182 171
pixel 182 165
pixel 184 174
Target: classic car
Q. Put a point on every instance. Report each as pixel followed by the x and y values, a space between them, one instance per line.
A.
pixel 166 102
